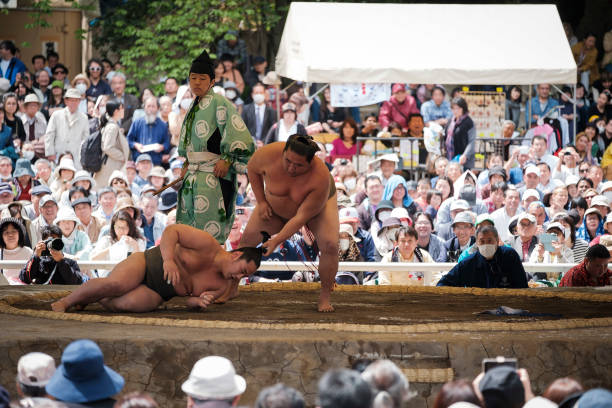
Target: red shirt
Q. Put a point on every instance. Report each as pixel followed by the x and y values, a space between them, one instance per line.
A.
pixel 578 276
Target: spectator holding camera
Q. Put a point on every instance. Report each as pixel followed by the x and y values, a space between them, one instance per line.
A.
pixel 48 264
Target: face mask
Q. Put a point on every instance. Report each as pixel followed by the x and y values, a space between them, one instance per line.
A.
pixel 102 110
pixel 568 233
pixel 28 154
pixel 487 250
pixel 391 235
pixel 82 88
pixel 350 183
pixel 383 215
pixel 230 94
pixel 608 195
pixel 600 129
pixel 344 244
pixel 185 103
pixel 258 99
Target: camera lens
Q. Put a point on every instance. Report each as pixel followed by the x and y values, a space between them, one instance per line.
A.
pixel 57 244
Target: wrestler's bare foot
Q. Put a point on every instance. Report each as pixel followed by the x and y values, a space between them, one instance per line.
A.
pixel 325 304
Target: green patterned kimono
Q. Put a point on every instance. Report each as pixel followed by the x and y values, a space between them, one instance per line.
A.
pixel 212 130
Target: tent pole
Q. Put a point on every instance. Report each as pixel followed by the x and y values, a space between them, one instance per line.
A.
pixel 574 102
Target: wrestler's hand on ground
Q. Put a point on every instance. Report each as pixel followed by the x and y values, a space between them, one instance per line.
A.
pixel 171 272
pixel 265 210
pixel 200 302
pixel 221 168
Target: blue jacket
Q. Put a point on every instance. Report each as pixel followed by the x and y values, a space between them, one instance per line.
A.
pixel 505 270
pixel 583 233
pixel 141 132
pixel 14 67
pixel 366 245
pixel 535 109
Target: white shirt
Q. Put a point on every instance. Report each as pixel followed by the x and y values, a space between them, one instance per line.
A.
pixel 502 220
pixel 284 133
pixel 4 64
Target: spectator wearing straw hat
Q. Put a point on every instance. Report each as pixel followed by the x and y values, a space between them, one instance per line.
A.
pixel 67 129
pixel 83 378
pixel 213 382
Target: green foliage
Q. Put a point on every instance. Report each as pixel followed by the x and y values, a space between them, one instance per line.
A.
pixel 41 10
pixel 155 39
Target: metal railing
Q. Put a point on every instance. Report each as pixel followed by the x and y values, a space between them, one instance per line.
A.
pixel 428 269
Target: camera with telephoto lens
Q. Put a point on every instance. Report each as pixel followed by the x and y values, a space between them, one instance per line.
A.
pixel 52 243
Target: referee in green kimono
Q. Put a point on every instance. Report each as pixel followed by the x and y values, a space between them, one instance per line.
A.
pixel 217 145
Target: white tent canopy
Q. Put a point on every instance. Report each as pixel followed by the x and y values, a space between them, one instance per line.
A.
pixel 425 43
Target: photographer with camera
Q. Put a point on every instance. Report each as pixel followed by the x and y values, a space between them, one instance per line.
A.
pixel 48 264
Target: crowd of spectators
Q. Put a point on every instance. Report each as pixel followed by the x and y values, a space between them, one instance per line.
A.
pixel 83 380
pixel 542 198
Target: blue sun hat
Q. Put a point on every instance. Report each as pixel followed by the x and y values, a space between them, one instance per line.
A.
pixel 82 375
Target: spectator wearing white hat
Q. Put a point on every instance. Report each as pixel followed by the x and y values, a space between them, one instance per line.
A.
pixel 602 204
pixel 592 225
pixel 464 231
pixel 67 129
pixel 47 207
pixel 388 163
pixel 34 370
pixel 531 180
pixel 529 196
pixel 526 241
pixel 64 175
pixel 213 383
pixel 571 183
pixel 286 126
pixel 445 231
pixel 81 179
pixel 76 242
pixel 561 253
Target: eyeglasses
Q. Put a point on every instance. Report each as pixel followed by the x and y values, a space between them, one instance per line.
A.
pixel 95 69
pixel 59 72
